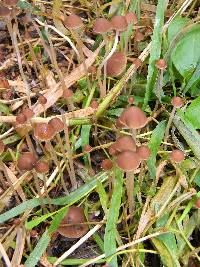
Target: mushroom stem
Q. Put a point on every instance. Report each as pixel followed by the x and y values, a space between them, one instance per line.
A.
pixel 54 156
pixel 37 184
pixel 169 124
pixel 72 176
pixel 130 189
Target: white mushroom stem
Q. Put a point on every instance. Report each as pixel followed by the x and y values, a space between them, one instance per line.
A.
pixel 130 189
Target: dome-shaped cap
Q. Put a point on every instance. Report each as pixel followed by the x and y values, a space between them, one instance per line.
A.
pixel 67 93
pixel 73 22
pixel 42 100
pixel 107 164
pixel 144 152
pixel 28 112
pixel 128 160
pixel 119 23
pixel 177 155
pixel 134 118
pixel 75 215
pixel 138 36
pixel 116 64
pixel 161 64
pixel 131 17
pixel 125 143
pixel 44 131
pixel 4 12
pixel 57 124
pixel 26 161
pixel 21 118
pixel 177 102
pixel 42 166
pixel 102 25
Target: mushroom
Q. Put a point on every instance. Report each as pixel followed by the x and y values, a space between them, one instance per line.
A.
pixel 107 164
pixel 131 18
pixel 42 100
pixel 176 102
pixel 72 226
pixel 26 161
pixel 129 161
pixel 123 143
pixel 177 156
pixel 161 64
pixel 116 64
pixel 42 167
pixel 144 152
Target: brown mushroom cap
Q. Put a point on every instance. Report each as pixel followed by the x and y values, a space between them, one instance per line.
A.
pixel 161 64
pixel 102 26
pixel 73 22
pixel 67 93
pixel 26 161
pixel 28 112
pixel 128 160
pixel 116 64
pixel 112 151
pixel 197 203
pixel 119 23
pixel 124 143
pixel 2 147
pixel 133 118
pixel 74 216
pixel 42 100
pixel 177 156
pixel 10 2
pixel 44 131
pixel 5 12
pixel 57 124
pixel 21 118
pixel 177 102
pixel 138 36
pixel 144 152
pixel 42 167
pixel 131 17
pixel 107 164
pixel 94 104
pixel 87 148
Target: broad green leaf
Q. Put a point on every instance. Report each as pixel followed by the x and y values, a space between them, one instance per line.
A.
pixel 154 144
pixel 155 50
pixel 38 250
pixel 197 178
pixel 188 132
pixel 192 113
pixel 193 81
pixel 175 26
pixel 113 214
pixel 67 200
pixel 188 45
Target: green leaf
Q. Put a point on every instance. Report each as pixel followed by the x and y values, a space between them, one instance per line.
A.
pixel 197 178
pixel 188 45
pixel 67 200
pixel 113 214
pixel 188 132
pixel 5 109
pixel 176 25
pixel 38 250
pixel 57 220
pixel 155 50
pixel 85 135
pixel 192 113
pixel 193 81
pixel 154 144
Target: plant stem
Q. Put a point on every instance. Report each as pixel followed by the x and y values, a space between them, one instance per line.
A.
pixel 130 189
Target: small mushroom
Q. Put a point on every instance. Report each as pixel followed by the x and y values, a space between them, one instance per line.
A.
pixel 107 164
pixel 72 225
pixel 116 64
pixel 161 64
pixel 26 161
pixel 177 156
pixel 21 118
pixel 131 18
pixel 123 143
pixel 44 132
pixel 119 23
pixel 144 152
pixel 102 26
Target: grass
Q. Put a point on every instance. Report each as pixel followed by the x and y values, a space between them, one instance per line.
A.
pixel 163 227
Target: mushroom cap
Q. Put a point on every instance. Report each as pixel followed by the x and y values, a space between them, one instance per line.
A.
pixel 137 62
pixel 102 25
pixel 161 64
pixel 75 215
pixel 177 155
pixel 124 143
pixel 133 118
pixel 116 64
pixel 4 12
pixel 42 100
pixel 94 104
pixel 73 22
pixel 87 148
pixel 2 146
pixel 21 118
pixel 197 203
pixel 128 160
pixel 57 124
pixel 44 131
pixel 177 101
pixel 131 17
pixel 112 151
pixel 42 166
pixel 107 164
pixel 138 36
pixel 144 152
pixel 67 93
pixel 28 112
pixel 26 161
pixel 119 23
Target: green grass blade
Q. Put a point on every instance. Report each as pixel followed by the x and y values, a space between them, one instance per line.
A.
pixel 155 50
pixel 113 213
